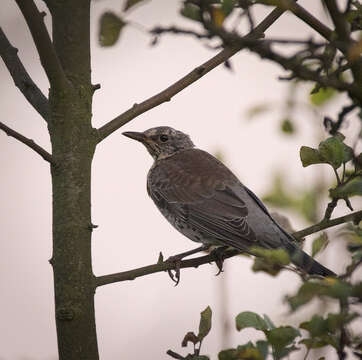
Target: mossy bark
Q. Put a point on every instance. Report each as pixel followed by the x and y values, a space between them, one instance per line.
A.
pixel 73 143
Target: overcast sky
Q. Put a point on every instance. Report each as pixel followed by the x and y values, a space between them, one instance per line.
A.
pixel 144 318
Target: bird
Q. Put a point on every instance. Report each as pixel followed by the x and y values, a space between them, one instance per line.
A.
pixel 207 203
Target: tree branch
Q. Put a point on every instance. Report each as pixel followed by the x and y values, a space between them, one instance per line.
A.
pixel 29 142
pixel 47 54
pixel 185 81
pixel 206 259
pixel 338 20
pixel 21 78
pixel 356 217
pixel 306 17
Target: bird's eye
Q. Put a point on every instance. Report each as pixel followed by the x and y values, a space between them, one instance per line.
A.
pixel 163 138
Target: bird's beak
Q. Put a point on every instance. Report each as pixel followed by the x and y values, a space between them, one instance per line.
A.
pixel 139 136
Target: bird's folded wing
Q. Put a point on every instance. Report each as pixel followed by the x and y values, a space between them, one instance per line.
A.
pixel 221 216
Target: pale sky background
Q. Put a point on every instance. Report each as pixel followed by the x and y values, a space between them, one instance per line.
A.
pixel 145 317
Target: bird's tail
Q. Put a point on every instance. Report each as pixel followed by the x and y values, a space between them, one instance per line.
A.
pixel 305 262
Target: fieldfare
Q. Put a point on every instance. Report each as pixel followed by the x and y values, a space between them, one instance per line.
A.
pixel 206 202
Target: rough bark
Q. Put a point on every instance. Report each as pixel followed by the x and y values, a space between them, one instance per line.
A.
pixel 73 144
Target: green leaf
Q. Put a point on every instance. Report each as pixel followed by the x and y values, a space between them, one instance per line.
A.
pixel 273 256
pixel 305 294
pixel 190 337
pixel 263 347
pixel 110 29
pixel 287 127
pixel 336 288
pixel 316 327
pixel 320 243
pixel 281 337
pixel 249 319
pixel 270 261
pixel 310 156
pixel 247 352
pixel 229 354
pixel 205 323
pixel 329 286
pixel 191 12
pixel 130 3
pixel 333 151
pixel 351 188
pixel 322 96
pixel 347 153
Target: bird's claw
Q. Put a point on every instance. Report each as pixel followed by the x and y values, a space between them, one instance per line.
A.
pixel 218 253
pixel 174 273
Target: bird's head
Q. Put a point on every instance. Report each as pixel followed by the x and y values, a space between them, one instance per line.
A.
pixel 162 141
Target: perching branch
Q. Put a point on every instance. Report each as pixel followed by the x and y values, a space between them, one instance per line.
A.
pixel 21 78
pixel 206 259
pixel 162 266
pixel 29 142
pixel 185 81
pixel 47 54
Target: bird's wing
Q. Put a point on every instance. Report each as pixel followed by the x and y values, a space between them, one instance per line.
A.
pixel 199 189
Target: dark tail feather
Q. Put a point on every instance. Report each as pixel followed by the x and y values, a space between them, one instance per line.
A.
pixel 307 263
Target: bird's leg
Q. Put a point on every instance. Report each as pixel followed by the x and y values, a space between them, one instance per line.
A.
pixel 176 260
pixel 218 253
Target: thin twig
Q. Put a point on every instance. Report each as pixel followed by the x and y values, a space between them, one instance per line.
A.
pixel 324 224
pixel 21 78
pixel 28 142
pixel 195 262
pixel 185 81
pixel 47 54
pixel 307 17
pixel 338 20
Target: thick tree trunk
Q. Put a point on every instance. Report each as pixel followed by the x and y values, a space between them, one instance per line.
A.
pixel 73 144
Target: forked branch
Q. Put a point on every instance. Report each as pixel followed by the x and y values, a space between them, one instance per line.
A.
pixel 21 78
pixel 28 142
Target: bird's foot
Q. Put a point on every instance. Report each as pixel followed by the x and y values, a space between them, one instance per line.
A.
pixel 174 273
pixel 218 253
pixel 175 260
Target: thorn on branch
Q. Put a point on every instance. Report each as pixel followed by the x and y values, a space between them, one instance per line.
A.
pixel 96 87
pixel 160 258
pixel 92 226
